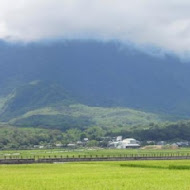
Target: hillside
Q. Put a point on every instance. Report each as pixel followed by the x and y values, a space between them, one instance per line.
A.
pixel 35 94
pixel 39 104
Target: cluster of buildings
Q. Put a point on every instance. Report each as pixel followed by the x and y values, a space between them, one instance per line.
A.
pixel 121 143
pixel 78 143
pixel 164 143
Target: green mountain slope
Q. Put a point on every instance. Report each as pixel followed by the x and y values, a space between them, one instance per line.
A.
pixel 82 116
pixel 30 97
pixel 40 104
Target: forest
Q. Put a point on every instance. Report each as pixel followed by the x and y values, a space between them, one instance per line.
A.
pixel 25 138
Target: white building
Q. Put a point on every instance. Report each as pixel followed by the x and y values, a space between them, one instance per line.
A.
pixel 128 143
pixel 85 139
pixel 119 138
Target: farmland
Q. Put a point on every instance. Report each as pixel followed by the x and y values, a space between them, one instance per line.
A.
pixel 87 152
pixel 143 175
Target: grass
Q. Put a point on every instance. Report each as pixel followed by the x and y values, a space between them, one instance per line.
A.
pixel 88 152
pixel 170 167
pixel 95 176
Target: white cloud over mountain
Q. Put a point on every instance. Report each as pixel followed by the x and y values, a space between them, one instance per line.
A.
pixel 164 24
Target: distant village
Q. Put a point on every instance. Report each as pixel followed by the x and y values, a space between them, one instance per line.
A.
pixel 120 143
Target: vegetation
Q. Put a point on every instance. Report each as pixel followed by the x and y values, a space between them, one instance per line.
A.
pixel 22 138
pixel 43 104
pixel 88 152
pixel 14 138
pixel 148 165
pixel 97 176
pixel 165 132
pixel 31 96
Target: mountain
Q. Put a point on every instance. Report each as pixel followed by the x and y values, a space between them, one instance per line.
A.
pixel 33 96
pixel 46 105
pixel 92 81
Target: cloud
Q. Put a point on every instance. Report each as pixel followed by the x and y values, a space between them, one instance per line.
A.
pixel 163 24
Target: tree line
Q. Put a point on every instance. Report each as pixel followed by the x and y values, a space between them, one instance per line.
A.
pixel 21 138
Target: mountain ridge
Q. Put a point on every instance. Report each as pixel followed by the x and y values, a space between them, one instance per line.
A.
pixel 49 106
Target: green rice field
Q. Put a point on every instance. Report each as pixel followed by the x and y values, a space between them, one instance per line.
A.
pixel 135 175
pixel 88 152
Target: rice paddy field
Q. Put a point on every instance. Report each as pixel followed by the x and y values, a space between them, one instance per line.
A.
pixel 134 175
pixel 76 152
pixel 129 175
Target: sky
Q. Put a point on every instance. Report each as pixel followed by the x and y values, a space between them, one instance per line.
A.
pixel 162 24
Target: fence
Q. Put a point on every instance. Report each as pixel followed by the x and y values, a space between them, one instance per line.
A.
pixel 90 158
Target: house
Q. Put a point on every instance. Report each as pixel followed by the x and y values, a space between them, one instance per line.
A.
pixel 150 142
pixel 80 143
pixel 71 145
pixel 59 145
pixel 161 143
pixel 183 144
pixel 85 139
pixel 38 146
